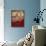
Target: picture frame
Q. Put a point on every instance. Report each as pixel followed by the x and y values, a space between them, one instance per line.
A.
pixel 17 18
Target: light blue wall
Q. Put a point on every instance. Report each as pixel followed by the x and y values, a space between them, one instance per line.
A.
pixel 30 7
pixel 43 6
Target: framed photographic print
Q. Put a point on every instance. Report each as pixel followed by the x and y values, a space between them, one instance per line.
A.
pixel 17 18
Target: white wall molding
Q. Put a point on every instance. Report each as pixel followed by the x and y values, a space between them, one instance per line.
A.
pixel 1 20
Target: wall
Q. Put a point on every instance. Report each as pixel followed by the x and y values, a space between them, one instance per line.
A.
pixel 30 7
pixel 43 6
pixel 1 21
